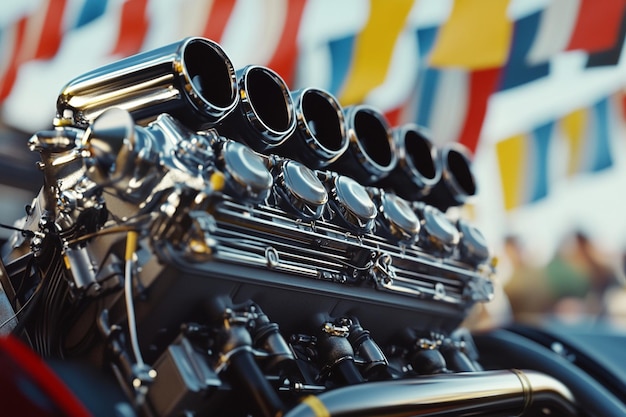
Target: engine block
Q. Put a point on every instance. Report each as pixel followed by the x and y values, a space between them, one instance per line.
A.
pixel 207 232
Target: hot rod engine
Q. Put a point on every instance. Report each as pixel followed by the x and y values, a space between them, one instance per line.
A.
pixel 225 246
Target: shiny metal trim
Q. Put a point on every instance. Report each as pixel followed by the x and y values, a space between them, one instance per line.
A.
pixel 508 392
pixel 193 79
pixel 317 147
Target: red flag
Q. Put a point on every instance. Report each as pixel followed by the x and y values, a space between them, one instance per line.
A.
pixel 598 25
pixel 283 60
pixel 482 84
pixel 133 27
pixel 219 15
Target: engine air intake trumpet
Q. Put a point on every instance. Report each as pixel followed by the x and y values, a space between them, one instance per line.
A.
pixel 192 80
pixel 320 135
pixel 371 153
pixel 457 184
pixel 265 116
pixel 417 170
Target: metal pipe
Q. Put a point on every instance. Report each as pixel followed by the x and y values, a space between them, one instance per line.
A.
pixel 265 116
pixel 320 136
pixel 418 168
pixel 509 392
pixel 504 346
pixel 193 80
pixel 457 184
pixel 371 153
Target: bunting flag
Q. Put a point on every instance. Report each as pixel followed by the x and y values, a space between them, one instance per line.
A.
pixel 443 100
pixel 523 163
pixel 587 133
pixel 451 102
pixel 340 58
pixel 517 70
pixel 555 29
pixel 597 25
pixel 37 36
pixel 12 38
pixel 611 55
pixel 218 16
pixel 620 99
pixel 427 77
pixel 511 154
pixel 133 27
pixel 601 154
pixel 199 18
pixel 254 31
pixel 574 126
pixel 374 47
pixel 466 50
pixel 283 61
pixel 476 36
pixel 91 10
pixel 482 84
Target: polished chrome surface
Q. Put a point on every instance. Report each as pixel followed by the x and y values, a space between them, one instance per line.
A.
pixel 497 393
pixel 320 137
pixel 418 168
pixel 192 79
pixel 265 116
pixel 272 246
pixel 250 176
pixel 354 203
pixel 438 229
pixel 473 245
pixel 403 221
pixel 303 183
pixel 457 185
pixel 371 153
pixel 301 191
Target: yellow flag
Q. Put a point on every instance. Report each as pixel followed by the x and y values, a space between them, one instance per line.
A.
pixel 511 159
pixel 574 127
pixel 477 35
pixel 374 48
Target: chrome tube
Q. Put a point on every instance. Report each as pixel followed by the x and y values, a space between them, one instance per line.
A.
pixel 193 80
pixel 499 393
pixel 457 184
pixel 371 153
pixel 418 168
pixel 265 116
pixel 320 136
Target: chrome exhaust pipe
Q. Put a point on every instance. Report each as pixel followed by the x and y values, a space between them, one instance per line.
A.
pixel 193 80
pixel 498 393
pixel 418 169
pixel 371 153
pixel 265 116
pixel 320 136
pixel 457 184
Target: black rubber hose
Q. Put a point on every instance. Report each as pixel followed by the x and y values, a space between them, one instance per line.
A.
pixel 245 375
pixel 513 350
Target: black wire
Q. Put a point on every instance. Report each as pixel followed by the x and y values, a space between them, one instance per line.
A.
pixel 28 233
pixel 53 304
pixel 25 276
pixel 90 332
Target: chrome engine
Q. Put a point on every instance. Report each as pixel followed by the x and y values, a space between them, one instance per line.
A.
pixel 225 246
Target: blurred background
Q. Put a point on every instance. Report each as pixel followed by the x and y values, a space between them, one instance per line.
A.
pixel 536 89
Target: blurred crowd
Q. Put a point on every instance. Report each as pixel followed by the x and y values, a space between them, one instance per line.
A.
pixel 581 284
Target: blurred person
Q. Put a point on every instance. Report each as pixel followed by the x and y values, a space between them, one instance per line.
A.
pixel 525 284
pixel 578 278
pixel 614 300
